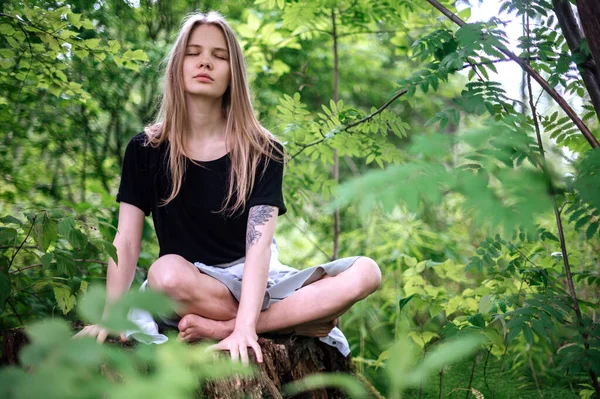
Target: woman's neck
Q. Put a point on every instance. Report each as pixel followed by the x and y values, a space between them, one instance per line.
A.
pixel 205 119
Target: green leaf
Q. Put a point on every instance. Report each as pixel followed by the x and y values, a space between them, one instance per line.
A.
pixel 404 301
pixel 110 249
pixel 8 219
pixel 448 352
pixel 77 239
pixel 65 226
pixel 485 305
pixel 47 259
pixel 46 233
pixel 528 334
pixel 113 46
pixel 591 230
pixel 65 300
pixel 74 19
pixel 465 14
pixel 7 235
pixel 137 55
pixel 514 332
pixel 81 53
pixel 64 264
pixel 6 29
pixel 477 320
pixel 92 43
pixel 49 333
pixel 91 307
pixel 87 24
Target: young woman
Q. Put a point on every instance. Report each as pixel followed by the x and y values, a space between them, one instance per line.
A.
pixel 211 176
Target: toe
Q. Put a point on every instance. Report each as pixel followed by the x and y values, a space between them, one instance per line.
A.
pixel 184 323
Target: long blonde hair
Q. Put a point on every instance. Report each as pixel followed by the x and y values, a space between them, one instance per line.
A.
pixel 246 139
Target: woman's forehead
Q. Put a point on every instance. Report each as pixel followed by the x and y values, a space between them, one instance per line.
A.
pixel 207 36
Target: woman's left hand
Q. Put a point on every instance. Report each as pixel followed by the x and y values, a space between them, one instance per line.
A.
pixel 238 343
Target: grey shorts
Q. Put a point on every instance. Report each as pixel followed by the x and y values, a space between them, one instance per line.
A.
pixel 282 282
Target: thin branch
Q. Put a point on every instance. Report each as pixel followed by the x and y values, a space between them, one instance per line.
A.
pixel 15 311
pixel 74 260
pixel 561 235
pixel 22 243
pixel 57 38
pixel 472 375
pixel 354 124
pixel 380 110
pixel 368 32
pixel 308 238
pixel 533 73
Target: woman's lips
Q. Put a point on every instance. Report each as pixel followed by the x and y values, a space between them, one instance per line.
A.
pixel 204 77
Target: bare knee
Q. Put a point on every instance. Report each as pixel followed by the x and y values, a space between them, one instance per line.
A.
pixel 368 277
pixel 165 274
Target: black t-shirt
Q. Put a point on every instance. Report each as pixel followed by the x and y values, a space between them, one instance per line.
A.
pixel 189 225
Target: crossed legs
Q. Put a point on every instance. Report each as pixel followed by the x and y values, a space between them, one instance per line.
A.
pixel 208 309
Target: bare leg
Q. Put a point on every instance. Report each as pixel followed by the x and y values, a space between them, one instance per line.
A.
pixel 195 292
pixel 325 299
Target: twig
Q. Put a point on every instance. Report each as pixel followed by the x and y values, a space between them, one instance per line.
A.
pixel 15 311
pixel 57 38
pixel 74 260
pixel 500 371
pixel 485 367
pixel 21 246
pixel 472 374
pixel 535 379
pixel 308 238
pixel 346 128
pixel 533 73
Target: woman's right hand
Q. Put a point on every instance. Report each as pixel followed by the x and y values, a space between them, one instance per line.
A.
pixel 97 331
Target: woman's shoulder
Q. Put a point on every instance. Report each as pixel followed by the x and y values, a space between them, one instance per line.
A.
pixel 141 149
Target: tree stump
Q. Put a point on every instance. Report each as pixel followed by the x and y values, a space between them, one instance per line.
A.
pixel 285 359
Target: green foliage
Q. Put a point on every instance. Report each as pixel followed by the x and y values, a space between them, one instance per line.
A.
pixel 61 244
pixel 454 197
pixel 58 365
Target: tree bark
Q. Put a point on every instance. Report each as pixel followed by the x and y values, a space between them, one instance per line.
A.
pixel 574 38
pixel 589 15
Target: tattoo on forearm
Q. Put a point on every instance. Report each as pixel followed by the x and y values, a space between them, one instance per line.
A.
pixel 259 215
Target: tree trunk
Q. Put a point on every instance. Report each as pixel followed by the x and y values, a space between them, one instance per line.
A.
pixel 589 15
pixel 286 359
pixel 573 36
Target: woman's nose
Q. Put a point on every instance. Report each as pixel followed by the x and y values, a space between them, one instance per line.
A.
pixel 204 63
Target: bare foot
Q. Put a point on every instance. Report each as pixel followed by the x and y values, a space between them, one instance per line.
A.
pixel 321 329
pixel 193 327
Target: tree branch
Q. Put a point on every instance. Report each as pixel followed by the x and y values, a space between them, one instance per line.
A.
pixel 574 38
pixel 533 73
pixel 354 124
pixel 22 243
pixel 74 260
pixel 561 235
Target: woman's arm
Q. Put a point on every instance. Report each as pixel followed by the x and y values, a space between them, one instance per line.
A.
pixel 262 220
pixel 119 277
pixel 128 241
